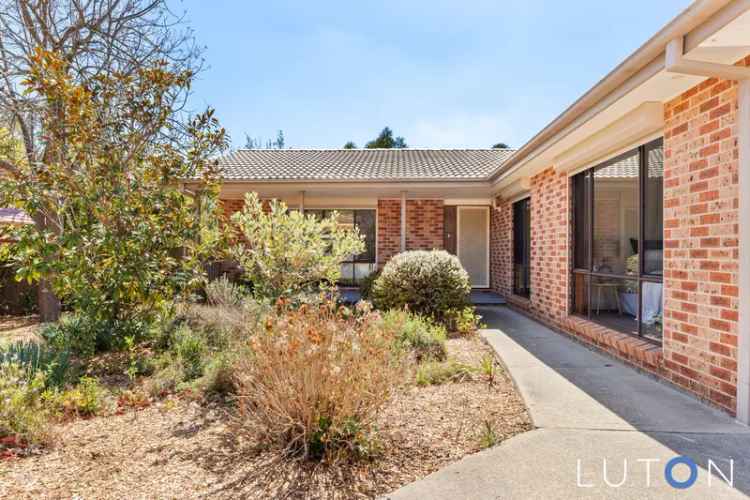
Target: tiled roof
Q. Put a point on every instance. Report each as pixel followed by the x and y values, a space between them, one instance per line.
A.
pixel 362 164
pixel 629 166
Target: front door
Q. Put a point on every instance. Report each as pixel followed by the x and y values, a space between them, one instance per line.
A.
pixel 474 244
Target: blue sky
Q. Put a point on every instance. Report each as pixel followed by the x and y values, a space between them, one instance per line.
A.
pixel 440 73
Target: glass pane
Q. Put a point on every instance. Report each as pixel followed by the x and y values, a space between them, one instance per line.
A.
pixel 582 220
pixel 365 222
pixel 363 270
pixel 580 294
pixel 653 202
pixel 521 247
pixel 347 274
pixel 616 216
pixel 651 309
pixel 614 303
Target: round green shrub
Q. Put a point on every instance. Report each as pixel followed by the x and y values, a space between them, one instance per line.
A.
pixel 430 283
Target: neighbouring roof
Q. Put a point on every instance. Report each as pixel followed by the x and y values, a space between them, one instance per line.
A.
pixel 362 164
pixel 14 216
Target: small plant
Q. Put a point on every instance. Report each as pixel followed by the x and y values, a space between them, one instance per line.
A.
pixel 464 321
pixel 421 336
pixel 222 292
pixel 34 358
pixel 487 368
pixel 428 283
pixel 190 350
pixel 487 436
pixel 437 373
pixel 24 417
pixel 86 399
pixel 315 380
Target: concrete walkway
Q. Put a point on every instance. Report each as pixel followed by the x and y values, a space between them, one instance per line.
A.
pixel 589 409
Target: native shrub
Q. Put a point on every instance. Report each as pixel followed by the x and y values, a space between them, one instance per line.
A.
pixel 315 379
pixel 430 283
pixel 418 335
pixel 23 414
pixel 284 253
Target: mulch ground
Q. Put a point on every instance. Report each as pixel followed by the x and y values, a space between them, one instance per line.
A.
pixel 18 328
pixel 182 449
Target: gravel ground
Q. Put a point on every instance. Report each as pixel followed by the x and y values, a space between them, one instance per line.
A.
pixel 180 449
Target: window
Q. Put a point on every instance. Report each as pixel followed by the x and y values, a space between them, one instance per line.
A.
pixel 359 266
pixel 521 247
pixel 618 239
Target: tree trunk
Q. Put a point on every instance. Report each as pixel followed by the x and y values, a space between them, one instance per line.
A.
pixel 49 305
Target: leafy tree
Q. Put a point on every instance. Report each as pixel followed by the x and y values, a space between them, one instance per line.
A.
pixel 500 145
pixel 350 145
pixel 284 252
pixel 257 143
pixel 123 237
pixel 95 39
pixel 387 141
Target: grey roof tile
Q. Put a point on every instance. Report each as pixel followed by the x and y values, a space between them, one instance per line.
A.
pixel 362 164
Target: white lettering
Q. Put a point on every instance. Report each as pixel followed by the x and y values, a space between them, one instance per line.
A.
pixel 648 462
pixel 712 465
pixel 579 479
pixel 624 473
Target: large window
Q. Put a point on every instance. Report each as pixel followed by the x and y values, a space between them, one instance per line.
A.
pixel 359 266
pixel 521 247
pixel 618 238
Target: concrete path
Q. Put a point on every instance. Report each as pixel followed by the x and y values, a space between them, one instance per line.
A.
pixel 590 410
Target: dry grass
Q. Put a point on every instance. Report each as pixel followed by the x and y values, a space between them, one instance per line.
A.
pixel 18 328
pixel 179 449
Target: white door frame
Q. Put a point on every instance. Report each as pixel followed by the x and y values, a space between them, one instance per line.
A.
pixel 458 239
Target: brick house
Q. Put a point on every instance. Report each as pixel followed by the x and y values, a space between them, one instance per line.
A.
pixel 625 222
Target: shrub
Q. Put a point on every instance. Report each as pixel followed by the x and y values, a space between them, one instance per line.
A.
pixel 435 373
pixel 283 252
pixel 86 399
pixel 463 321
pixel 190 350
pixel 365 286
pixel 84 335
pixel 421 336
pixel 23 414
pixel 428 283
pixel 34 358
pixel 222 292
pixel 315 379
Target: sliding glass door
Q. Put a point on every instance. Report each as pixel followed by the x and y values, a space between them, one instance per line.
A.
pixel 618 242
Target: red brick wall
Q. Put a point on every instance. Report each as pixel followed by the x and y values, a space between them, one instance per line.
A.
pixel 389 230
pixel 550 243
pixel 501 247
pixel 701 241
pixel 424 224
pixel 232 206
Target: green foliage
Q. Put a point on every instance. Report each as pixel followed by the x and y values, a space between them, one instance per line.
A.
pixel 365 286
pixel 437 373
pixel 222 292
pixel 386 140
pixel 488 369
pixel 500 145
pixel 463 321
pixel 120 237
pixel 284 253
pixel 86 399
pixel 430 283
pixel 85 335
pixel 190 349
pixel 419 335
pixel 52 362
pixel 350 145
pixel 23 413
pixel 487 436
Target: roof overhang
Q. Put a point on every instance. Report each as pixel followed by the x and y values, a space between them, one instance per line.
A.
pixel 715 31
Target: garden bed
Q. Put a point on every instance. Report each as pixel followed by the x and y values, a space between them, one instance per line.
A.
pixel 179 448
